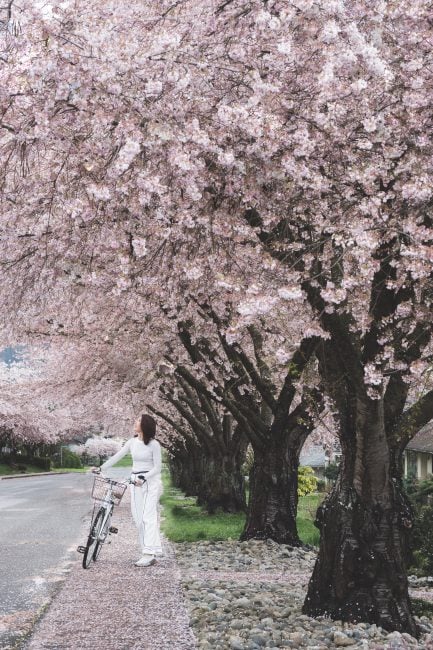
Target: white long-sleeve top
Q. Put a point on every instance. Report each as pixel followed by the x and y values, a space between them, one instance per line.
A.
pixel 145 458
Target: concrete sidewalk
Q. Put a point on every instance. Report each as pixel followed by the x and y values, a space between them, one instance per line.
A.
pixel 114 605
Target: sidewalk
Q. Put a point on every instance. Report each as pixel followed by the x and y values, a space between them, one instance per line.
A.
pixel 114 605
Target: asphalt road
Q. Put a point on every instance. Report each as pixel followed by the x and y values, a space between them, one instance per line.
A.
pixel 42 521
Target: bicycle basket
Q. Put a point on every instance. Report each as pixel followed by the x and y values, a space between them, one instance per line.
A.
pixel 101 487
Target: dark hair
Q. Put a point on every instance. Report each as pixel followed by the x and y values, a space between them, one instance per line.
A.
pixel 148 427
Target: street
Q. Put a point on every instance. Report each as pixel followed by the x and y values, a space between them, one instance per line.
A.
pixel 41 523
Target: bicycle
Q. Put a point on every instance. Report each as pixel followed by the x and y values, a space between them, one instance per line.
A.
pixel 108 493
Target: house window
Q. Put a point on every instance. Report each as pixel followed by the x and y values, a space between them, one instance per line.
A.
pixel 411 463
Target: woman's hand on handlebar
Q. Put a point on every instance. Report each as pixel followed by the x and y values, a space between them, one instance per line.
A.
pixel 138 481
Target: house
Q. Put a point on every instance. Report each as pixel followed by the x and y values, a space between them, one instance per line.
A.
pixel 318 458
pixel 418 455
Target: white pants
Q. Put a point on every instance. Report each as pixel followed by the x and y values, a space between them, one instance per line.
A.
pixel 144 508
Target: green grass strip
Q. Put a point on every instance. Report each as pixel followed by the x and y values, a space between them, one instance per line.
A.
pixel 185 521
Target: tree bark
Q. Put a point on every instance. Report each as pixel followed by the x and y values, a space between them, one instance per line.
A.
pixel 273 500
pixel 360 573
pixel 222 485
pixel 185 473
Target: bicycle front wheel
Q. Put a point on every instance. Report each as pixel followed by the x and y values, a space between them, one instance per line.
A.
pixel 102 537
pixel 92 540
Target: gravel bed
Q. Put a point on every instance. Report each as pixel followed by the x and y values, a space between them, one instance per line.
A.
pixel 249 595
pixel 424 581
pixel 211 596
pixel 253 555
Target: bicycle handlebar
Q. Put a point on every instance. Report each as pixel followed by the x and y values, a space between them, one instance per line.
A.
pixel 125 481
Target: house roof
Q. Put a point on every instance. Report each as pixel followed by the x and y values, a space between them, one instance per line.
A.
pixel 423 441
pixel 317 455
pixel 314 456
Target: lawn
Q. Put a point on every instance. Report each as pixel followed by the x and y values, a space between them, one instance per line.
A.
pixel 307 508
pixel 70 469
pixel 184 521
pixel 126 461
pixel 6 470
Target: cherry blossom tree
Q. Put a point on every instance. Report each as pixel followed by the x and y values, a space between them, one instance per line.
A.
pixel 49 402
pixel 295 134
pixel 271 409
pixel 207 451
pixel 98 446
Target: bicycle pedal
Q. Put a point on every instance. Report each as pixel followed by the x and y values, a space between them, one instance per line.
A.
pixel 113 530
pixel 81 549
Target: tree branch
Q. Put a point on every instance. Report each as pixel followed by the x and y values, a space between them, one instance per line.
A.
pixel 413 419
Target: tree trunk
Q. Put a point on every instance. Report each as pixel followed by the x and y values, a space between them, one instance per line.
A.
pixel 222 484
pixel 360 573
pixel 184 473
pixel 273 500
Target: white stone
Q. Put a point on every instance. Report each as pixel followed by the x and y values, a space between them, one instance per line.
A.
pixel 342 640
pixel 242 602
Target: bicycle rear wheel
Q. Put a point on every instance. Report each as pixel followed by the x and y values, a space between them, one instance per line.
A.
pixel 102 537
pixel 92 540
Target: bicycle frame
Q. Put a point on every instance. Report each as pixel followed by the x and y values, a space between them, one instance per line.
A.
pixel 100 521
pixel 107 505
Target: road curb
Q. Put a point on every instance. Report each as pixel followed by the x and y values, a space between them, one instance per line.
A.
pixel 9 476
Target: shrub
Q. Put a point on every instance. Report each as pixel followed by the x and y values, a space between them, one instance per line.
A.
pixel 331 471
pixel 420 491
pixel 422 540
pixel 42 462
pixel 68 459
pixel 321 485
pixel 86 459
pixel 22 460
pixel 410 483
pixel 307 481
pixel 420 494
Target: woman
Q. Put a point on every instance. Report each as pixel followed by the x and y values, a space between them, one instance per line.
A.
pixel 146 457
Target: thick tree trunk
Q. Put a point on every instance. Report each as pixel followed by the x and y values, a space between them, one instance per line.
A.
pixel 273 500
pixel 360 573
pixel 221 484
pixel 185 473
